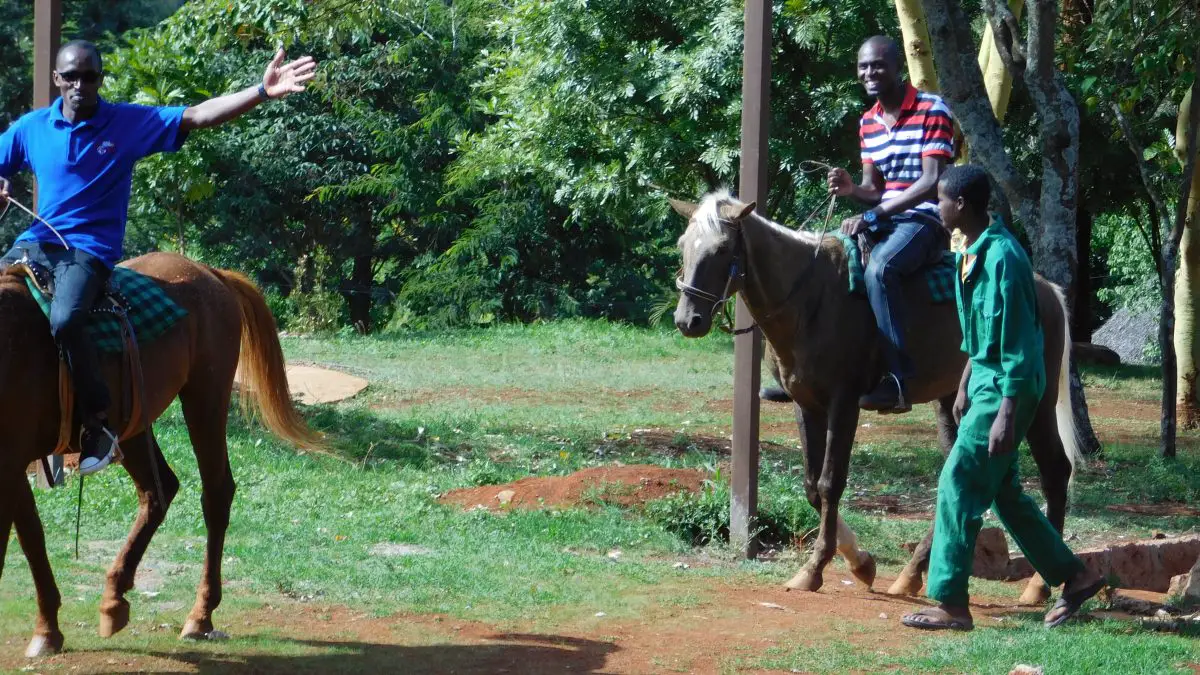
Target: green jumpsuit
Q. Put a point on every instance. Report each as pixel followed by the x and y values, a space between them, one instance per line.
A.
pixel 997 309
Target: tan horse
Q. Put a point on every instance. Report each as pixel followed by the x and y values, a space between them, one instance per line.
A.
pixel 196 361
pixel 825 349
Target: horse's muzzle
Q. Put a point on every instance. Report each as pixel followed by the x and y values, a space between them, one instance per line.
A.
pixel 691 323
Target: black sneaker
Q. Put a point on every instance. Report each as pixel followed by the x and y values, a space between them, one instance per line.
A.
pixel 887 397
pixel 98 448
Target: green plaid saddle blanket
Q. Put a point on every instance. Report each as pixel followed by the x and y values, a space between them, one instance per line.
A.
pixel 151 311
pixel 940 276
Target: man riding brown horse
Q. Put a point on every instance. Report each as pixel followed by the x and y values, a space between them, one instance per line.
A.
pixel 906 138
pixel 82 150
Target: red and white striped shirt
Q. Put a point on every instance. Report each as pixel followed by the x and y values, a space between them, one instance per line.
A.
pixel 924 128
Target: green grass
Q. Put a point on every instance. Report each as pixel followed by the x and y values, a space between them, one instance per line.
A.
pixel 1095 647
pixel 462 408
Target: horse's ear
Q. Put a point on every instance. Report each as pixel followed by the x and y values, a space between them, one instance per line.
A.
pixel 685 209
pixel 736 212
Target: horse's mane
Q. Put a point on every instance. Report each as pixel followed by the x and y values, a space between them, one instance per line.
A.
pixel 708 218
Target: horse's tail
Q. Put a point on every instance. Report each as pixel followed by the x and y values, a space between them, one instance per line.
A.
pixel 264 376
pixel 1068 432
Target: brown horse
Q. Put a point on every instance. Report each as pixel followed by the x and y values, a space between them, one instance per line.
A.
pixel 824 348
pixel 196 361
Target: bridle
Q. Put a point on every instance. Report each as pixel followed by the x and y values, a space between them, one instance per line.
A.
pixel 735 276
pixel 737 273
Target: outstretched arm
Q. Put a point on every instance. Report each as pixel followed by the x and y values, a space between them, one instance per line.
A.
pixel 280 80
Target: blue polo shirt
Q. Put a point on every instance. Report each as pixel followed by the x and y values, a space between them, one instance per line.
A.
pixel 85 170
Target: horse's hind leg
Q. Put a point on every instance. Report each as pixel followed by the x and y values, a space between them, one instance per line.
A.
pixel 152 510
pixel 47 638
pixel 912 576
pixel 1055 469
pixel 206 409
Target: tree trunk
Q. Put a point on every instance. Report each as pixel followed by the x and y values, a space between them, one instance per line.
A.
pixel 1189 120
pixel 1054 253
pixel 1166 326
pixel 1048 217
pixel 1187 286
pixel 916 45
pixel 1081 331
pixel 961 84
pixel 1081 312
pixel 1088 441
pixel 362 279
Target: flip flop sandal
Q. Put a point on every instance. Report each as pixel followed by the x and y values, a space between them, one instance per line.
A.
pixel 1073 601
pixel 931 622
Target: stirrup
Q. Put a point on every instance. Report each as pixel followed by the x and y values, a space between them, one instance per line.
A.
pixel 91 465
pixel 901 404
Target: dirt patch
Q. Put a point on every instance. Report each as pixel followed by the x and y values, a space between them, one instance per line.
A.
pixel 624 485
pixel 907 508
pixel 1165 509
pixel 1112 406
pixel 311 384
pixel 692 626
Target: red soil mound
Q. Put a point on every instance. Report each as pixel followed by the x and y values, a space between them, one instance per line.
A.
pixel 624 485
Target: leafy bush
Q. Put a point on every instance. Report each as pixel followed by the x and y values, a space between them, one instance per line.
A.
pixel 784 514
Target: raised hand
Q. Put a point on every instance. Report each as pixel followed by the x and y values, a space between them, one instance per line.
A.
pixel 282 78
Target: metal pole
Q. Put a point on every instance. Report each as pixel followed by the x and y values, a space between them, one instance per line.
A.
pixel 47 34
pixel 748 348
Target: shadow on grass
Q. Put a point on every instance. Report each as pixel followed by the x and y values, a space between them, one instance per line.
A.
pixel 359 435
pixel 511 653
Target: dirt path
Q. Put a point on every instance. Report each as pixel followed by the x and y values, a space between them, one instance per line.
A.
pixel 709 632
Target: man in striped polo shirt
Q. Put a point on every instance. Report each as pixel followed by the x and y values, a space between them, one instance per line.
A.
pixel 906 138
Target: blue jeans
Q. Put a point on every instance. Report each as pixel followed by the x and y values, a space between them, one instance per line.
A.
pixel 79 281
pixel 902 247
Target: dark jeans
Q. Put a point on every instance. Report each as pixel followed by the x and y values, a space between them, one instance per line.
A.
pixel 79 280
pixel 901 248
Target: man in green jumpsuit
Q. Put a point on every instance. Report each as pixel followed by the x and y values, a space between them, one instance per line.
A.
pixel 1000 390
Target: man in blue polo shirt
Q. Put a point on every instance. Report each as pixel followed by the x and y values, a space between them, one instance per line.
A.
pixel 906 139
pixel 82 151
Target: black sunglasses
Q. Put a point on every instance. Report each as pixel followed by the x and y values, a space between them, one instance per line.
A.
pixel 86 77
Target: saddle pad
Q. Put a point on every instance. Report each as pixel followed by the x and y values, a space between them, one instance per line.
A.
pixel 151 311
pixel 940 276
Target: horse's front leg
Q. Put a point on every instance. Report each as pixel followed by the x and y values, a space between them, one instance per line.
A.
pixel 21 510
pixel 912 577
pixel 152 509
pixel 842 424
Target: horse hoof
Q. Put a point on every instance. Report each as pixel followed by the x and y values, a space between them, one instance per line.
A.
pixel 44 645
pixel 196 630
pixel 865 572
pixel 905 585
pixel 805 581
pixel 1036 593
pixel 113 619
